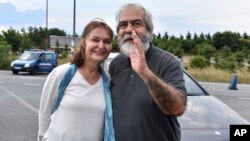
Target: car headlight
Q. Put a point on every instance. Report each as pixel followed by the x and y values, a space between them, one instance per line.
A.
pixel 26 65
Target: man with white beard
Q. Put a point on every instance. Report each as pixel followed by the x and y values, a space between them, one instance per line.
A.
pixel 147 84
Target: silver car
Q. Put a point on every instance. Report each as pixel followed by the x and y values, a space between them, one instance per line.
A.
pixel 206 118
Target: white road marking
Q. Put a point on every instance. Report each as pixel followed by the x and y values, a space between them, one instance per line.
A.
pixel 32 77
pixel 20 100
pixel 29 84
pixel 243 98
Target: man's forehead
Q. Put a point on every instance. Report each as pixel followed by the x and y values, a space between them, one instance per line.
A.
pixel 130 20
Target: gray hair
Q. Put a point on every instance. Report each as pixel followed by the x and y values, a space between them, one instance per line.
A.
pixel 147 17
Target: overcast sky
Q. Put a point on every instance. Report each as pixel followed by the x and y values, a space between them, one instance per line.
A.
pixel 173 16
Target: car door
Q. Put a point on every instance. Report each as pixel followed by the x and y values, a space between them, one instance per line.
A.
pixel 46 62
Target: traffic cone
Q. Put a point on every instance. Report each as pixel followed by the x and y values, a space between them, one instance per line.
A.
pixel 233 82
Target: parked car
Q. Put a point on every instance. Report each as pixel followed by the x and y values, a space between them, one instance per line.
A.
pixel 107 61
pixel 206 118
pixel 34 61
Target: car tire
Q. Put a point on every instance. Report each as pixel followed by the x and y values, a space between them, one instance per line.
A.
pixel 34 71
pixel 15 71
pixel 52 68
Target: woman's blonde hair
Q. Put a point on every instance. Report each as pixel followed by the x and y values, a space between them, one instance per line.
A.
pixel 78 57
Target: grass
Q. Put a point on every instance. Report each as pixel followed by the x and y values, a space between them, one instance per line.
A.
pixel 211 74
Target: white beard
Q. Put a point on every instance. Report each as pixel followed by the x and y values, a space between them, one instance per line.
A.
pixel 126 48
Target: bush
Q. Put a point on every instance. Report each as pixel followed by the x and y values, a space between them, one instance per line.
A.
pixel 206 50
pixel 5 65
pixel 198 62
pixel 239 57
pixel 226 63
pixel 248 59
pixel 4 53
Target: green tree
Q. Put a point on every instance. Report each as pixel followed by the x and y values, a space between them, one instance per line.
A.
pixel 25 44
pixel 202 36
pixel 172 37
pixel 226 51
pixel 13 38
pixel 199 39
pixel 4 53
pixel 239 58
pixel 181 37
pixel 227 63
pixel 166 36
pixel 198 62
pixel 57 47
pixel 226 38
pixel 161 43
pixel 115 45
pixel 39 36
pixel 58 32
pixel 170 45
pixel 208 36
pixel 179 52
pixel 245 43
pixel 248 61
pixel 65 51
pixel 174 47
pixel 225 60
pixel 188 45
pixel 195 36
pixel 188 36
pixel 206 50
pixel 158 36
pixel 245 35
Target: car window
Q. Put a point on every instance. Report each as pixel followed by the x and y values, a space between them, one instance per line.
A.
pixel 29 56
pixel 193 89
pixel 48 57
pixel 42 57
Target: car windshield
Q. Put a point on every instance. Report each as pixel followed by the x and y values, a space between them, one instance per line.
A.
pixel 29 56
pixel 192 88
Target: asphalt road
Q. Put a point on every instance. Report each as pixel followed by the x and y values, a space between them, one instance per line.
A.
pixel 239 99
pixel 19 102
pixel 20 96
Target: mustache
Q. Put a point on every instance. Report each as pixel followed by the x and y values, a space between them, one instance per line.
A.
pixel 126 37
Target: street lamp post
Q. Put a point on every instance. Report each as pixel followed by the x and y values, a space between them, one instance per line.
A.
pixel 47 32
pixel 47 14
pixel 74 17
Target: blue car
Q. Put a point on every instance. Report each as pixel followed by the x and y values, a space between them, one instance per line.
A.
pixel 35 61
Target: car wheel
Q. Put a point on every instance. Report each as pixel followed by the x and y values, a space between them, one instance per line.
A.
pixel 52 68
pixel 15 71
pixel 33 71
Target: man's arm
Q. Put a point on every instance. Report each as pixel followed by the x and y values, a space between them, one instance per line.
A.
pixel 170 100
